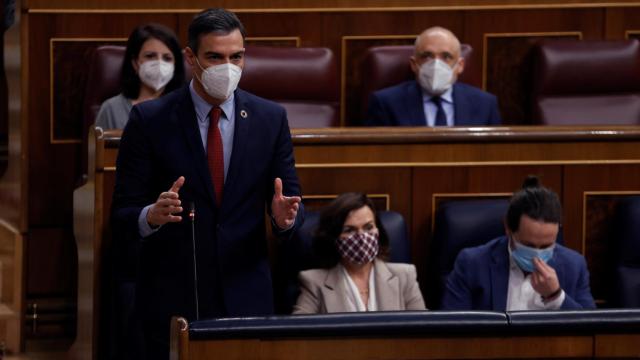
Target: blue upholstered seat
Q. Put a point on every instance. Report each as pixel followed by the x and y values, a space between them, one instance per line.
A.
pixel 460 224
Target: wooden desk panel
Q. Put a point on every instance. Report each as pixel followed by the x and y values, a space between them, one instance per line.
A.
pixel 468 347
pixel 609 346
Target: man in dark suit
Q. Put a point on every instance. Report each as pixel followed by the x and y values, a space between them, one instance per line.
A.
pixel 434 98
pixel 525 270
pixel 223 153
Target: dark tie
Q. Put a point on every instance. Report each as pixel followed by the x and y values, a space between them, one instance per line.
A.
pixel 441 117
pixel 215 153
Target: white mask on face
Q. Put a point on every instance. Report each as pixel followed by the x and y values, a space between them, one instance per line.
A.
pixel 220 81
pixel 436 77
pixel 156 73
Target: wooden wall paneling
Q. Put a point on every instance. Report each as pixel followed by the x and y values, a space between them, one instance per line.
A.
pixel 589 197
pixel 504 39
pixel 51 263
pixel 4 99
pixel 318 202
pixel 389 186
pixel 293 5
pixel 472 181
pixel 12 289
pixel 622 23
pixel 50 271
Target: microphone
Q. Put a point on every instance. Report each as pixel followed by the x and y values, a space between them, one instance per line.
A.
pixel 192 217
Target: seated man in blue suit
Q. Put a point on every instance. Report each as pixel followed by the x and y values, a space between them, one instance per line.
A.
pixel 196 171
pixel 434 98
pixel 525 270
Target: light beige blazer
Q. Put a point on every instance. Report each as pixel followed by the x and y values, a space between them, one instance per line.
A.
pixel 323 290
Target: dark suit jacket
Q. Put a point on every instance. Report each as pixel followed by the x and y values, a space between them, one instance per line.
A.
pixel 162 142
pixel 480 278
pixel 402 105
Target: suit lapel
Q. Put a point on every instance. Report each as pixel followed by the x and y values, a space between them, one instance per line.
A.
pixel 461 107
pixel 334 291
pixel 500 275
pixel 243 116
pixel 414 105
pixel 185 116
pixel 387 288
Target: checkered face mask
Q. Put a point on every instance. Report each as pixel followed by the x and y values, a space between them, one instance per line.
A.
pixel 359 248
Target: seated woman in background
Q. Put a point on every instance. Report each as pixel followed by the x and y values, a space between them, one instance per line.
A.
pixel 352 243
pixel 152 66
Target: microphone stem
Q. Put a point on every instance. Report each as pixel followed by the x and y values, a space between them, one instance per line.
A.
pixel 195 263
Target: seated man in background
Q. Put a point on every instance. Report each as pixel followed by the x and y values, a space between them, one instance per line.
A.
pixel 434 98
pixel 525 270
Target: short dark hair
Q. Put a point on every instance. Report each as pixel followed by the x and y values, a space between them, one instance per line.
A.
pixel 330 226
pixel 535 201
pixel 213 21
pixel 130 82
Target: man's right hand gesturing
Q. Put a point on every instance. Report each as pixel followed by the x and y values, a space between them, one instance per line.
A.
pixel 168 203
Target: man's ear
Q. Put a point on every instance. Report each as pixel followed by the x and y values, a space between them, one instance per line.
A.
pixel 190 56
pixel 460 67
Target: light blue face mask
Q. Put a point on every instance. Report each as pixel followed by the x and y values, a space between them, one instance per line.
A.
pixel 523 255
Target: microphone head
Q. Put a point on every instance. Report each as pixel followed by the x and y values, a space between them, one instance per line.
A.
pixel 192 210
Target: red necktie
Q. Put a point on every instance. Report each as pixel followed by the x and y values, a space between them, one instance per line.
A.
pixel 215 154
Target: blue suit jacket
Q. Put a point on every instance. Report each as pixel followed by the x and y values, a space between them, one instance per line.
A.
pixel 480 278
pixel 402 105
pixel 162 142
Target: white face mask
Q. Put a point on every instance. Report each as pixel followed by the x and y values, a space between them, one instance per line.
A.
pixel 156 73
pixel 220 81
pixel 436 77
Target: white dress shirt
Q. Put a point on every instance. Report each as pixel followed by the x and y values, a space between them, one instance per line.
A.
pixel 354 301
pixel 522 296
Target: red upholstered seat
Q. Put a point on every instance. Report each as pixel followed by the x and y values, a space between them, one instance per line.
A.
pixel 586 82
pixel 103 80
pixel 386 66
pixel 303 80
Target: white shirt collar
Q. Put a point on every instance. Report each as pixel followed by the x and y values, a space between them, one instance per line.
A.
pixel 447 96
